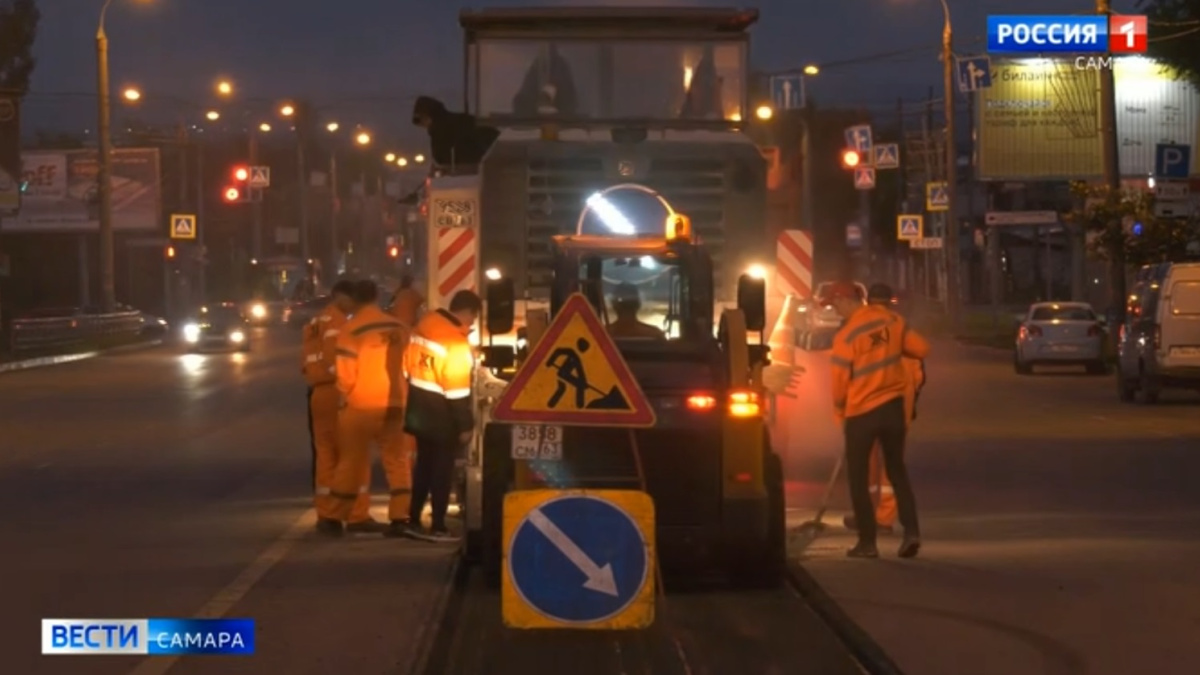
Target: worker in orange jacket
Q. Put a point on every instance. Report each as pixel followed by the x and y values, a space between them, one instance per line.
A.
pixel 869 383
pixel 319 367
pixel 407 302
pixel 882 491
pixel 440 364
pixel 370 351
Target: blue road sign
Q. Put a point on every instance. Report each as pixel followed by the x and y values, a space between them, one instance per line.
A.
pixel 859 138
pixel 887 156
pixel 853 236
pixel 864 177
pixel 579 559
pixel 937 197
pixel 974 74
pixel 1172 161
pixel 909 227
pixel 787 91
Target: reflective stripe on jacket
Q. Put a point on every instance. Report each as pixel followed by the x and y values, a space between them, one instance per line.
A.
pixel 440 366
pixel 867 358
pixel 369 360
pixel 320 346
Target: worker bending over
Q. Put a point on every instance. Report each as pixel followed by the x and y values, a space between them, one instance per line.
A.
pixel 626 303
pixel 369 359
pixel 440 365
pixel 320 370
pixel 869 381
pixel 882 491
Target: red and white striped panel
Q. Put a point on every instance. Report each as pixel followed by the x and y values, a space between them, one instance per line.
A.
pixel 794 263
pixel 457 256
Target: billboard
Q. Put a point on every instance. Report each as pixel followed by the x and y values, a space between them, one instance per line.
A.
pixel 10 154
pixel 61 196
pixel 1040 119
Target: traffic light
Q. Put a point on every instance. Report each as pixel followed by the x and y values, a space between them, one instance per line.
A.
pixel 393 251
pixel 233 194
pixel 850 159
pixel 239 190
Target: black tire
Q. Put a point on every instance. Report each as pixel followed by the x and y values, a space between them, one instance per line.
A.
pixel 472 549
pixel 497 479
pixel 765 568
pixel 1148 387
pixel 1126 391
pixel 1019 366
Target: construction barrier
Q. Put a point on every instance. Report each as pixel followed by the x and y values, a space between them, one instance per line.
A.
pixel 70 329
pixel 783 336
pixel 794 263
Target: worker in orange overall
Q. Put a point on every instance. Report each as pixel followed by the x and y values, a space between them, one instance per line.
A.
pixel 370 357
pixel 406 306
pixel 319 368
pixel 882 492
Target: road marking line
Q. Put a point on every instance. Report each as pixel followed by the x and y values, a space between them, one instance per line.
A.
pixel 231 595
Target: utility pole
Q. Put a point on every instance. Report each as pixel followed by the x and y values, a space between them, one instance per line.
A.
pixel 806 163
pixel 952 252
pixel 256 233
pixel 1112 176
pixel 108 282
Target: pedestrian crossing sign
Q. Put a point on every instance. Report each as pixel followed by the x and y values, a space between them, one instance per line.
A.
pixel 937 197
pixel 183 226
pixel 909 227
pixel 575 376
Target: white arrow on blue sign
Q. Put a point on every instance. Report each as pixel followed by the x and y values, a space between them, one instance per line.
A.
pixel 787 91
pixel 1172 161
pixel 858 138
pixel 974 73
pixel 578 559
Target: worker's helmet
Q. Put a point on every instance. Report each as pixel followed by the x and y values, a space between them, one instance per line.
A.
pixel 839 290
pixel 626 296
pixel 880 294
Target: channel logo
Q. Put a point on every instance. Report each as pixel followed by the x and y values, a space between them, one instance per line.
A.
pixel 154 637
pixel 1067 34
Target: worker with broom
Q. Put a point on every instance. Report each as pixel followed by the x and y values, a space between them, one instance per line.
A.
pixel 882 492
pixel 869 385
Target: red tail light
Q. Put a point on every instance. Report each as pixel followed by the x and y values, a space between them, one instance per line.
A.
pixel 743 404
pixel 701 402
pixel 1094 330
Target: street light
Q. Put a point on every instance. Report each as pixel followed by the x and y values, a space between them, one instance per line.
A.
pixel 764 112
pixel 390 157
pixel 225 88
pixel 363 138
pixel 287 110
pixel 212 115
pixel 332 127
pixel 264 127
pixel 403 161
pixel 132 94
pixel 419 159
pixel 811 70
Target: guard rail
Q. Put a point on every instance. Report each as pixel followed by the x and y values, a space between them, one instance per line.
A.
pixel 52 333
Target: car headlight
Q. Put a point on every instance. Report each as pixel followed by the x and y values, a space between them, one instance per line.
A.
pixel 191 332
pixel 258 311
pixel 237 336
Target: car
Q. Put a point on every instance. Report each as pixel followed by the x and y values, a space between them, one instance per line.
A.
pixel 221 326
pixel 1060 333
pixel 1158 345
pixel 264 312
pixel 298 314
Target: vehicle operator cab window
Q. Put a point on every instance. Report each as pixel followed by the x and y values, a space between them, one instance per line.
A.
pixel 640 298
pixel 609 79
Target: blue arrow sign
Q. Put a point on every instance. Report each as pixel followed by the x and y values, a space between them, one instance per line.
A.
pixel 858 138
pixel 974 74
pixel 787 91
pixel 1172 161
pixel 578 559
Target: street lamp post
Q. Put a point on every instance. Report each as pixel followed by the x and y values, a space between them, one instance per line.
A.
pixel 951 251
pixel 806 163
pixel 104 173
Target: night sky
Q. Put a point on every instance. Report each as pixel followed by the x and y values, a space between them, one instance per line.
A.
pixel 365 65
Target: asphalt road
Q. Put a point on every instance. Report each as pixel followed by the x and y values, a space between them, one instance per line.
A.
pixel 1061 526
pixel 159 484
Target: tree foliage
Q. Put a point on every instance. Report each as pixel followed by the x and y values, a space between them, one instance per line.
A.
pixel 1175 35
pixel 1109 217
pixel 18 30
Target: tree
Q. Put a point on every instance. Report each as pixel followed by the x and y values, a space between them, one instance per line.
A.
pixel 1175 35
pixel 1111 219
pixel 18 30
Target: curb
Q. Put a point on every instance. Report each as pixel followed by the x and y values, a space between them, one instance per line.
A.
pixel 44 361
pixel 439 627
pixel 861 646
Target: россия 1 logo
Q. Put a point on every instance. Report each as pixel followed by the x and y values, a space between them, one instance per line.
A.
pixel 1067 34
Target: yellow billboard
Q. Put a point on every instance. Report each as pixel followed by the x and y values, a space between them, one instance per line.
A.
pixel 1039 120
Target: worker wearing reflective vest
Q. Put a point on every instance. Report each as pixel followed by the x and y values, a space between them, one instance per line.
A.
pixel 882 491
pixel 370 352
pixel 869 381
pixel 440 365
pixel 406 307
pixel 320 370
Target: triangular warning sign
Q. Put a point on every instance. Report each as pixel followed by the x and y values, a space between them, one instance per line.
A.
pixel 575 376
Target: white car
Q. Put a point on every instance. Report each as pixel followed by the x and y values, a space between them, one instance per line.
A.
pixel 1159 343
pixel 1060 333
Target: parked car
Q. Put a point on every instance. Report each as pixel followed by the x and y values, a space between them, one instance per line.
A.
pixel 298 314
pixel 1060 333
pixel 222 326
pixel 1158 346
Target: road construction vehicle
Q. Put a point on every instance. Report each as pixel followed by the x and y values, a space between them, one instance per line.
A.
pixel 707 463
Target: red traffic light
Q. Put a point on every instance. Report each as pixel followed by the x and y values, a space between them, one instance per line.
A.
pixel 170 251
pixel 232 194
pixel 394 251
pixel 241 173
pixel 850 159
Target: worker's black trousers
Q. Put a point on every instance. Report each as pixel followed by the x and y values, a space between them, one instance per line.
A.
pixel 433 476
pixel 885 425
pixel 312 438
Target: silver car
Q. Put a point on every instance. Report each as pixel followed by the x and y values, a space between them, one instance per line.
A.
pixel 1060 333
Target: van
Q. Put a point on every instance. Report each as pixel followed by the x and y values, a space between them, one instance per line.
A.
pixel 1158 346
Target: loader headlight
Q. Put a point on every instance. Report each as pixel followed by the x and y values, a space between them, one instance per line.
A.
pixel 259 311
pixel 191 332
pixel 757 271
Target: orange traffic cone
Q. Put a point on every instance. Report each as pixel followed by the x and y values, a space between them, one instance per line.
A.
pixel 783 337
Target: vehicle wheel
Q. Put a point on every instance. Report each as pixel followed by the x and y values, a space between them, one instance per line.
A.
pixel 1019 366
pixel 497 479
pixel 1148 387
pixel 1097 368
pixel 472 550
pixel 764 569
pixel 1126 390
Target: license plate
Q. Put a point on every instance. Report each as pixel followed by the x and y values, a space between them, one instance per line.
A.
pixel 537 442
pixel 1186 351
pixel 1063 348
